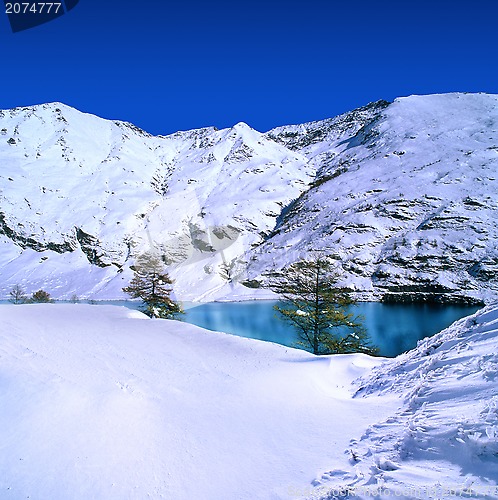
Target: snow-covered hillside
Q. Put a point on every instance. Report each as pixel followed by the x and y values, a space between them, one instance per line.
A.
pixel 402 194
pixel 443 440
pixel 101 402
pixel 407 204
pixel 81 196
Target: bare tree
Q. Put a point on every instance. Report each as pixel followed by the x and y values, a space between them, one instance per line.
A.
pixel 17 295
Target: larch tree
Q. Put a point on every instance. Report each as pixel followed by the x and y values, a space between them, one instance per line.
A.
pixel 318 308
pixel 152 284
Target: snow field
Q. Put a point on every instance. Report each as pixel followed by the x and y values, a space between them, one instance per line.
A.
pixel 101 402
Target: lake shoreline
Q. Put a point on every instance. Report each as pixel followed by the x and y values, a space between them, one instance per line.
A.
pixel 394 327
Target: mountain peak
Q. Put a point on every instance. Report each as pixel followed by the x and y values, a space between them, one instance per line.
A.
pixel 242 126
pixel 242 129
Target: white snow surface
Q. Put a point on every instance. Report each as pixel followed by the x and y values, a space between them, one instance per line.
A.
pixel 406 203
pixel 78 190
pixel 443 440
pixel 101 402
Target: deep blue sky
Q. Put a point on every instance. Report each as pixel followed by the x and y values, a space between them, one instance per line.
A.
pixel 176 65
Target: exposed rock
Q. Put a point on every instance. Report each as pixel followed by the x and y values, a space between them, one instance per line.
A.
pixel 91 247
pixel 24 241
pixel 429 298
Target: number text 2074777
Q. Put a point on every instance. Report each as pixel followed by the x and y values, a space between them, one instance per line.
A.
pixel 32 7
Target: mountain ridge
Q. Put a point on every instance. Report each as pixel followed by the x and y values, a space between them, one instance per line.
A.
pixel 82 196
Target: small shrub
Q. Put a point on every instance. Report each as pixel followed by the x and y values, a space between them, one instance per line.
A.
pixel 41 296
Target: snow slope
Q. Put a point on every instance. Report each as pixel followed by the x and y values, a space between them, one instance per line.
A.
pixel 403 195
pixel 407 204
pixel 81 196
pixel 442 441
pixel 101 402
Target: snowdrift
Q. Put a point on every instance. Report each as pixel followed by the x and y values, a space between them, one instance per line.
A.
pixel 442 441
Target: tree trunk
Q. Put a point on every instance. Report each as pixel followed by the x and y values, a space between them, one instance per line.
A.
pixel 317 310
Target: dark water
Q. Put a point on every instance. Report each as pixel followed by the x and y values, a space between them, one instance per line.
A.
pixel 393 328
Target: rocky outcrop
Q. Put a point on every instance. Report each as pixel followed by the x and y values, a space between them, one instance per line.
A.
pixel 19 238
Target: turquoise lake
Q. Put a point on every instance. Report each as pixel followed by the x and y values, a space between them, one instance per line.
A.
pixel 393 328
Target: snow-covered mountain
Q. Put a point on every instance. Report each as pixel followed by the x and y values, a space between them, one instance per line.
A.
pixel 407 203
pixel 80 196
pixel 402 194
